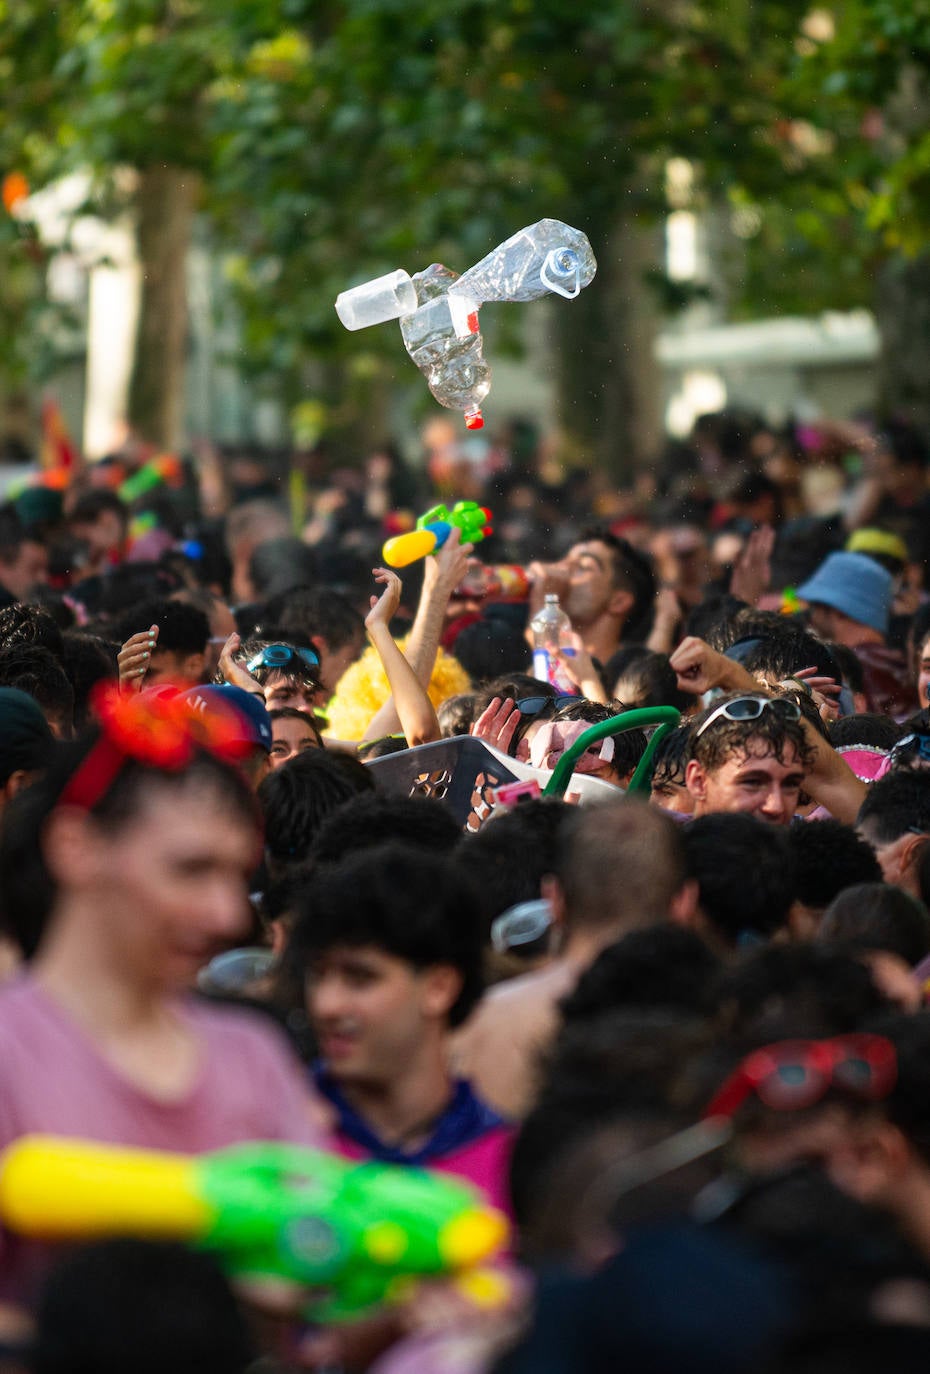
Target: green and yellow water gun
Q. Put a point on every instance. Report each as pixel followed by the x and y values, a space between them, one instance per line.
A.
pixel 357 1234
pixel 433 529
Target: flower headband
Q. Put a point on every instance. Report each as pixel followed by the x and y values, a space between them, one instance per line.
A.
pixel 155 729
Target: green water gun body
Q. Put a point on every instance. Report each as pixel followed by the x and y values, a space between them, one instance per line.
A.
pixel 357 1233
pixel 433 529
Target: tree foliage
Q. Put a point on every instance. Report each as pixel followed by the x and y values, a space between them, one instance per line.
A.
pixel 335 139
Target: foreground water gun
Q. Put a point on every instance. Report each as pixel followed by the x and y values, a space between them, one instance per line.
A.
pixel 358 1232
pixel 438 309
pixel 433 529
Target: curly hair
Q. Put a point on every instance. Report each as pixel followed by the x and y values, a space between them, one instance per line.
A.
pixel 768 734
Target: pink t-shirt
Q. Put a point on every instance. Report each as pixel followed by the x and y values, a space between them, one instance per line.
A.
pixel 53 1079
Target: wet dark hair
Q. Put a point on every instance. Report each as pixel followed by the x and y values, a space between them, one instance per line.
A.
pixel 867 729
pixel 896 804
pixel 725 737
pixel 39 673
pixel 745 874
pixel 182 628
pixel 298 797
pixel 509 857
pixel 371 819
pixel 319 611
pixel 654 683
pixel 27 624
pixel 663 966
pixel 87 659
pixel 27 889
pixel 828 857
pixel 400 899
pixel 671 758
pixel 876 915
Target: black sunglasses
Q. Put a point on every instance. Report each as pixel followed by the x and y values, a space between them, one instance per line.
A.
pixel 531 706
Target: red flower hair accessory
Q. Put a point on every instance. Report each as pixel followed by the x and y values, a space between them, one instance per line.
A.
pixel 161 730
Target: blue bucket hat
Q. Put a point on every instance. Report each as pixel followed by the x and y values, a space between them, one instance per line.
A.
pixel 855 585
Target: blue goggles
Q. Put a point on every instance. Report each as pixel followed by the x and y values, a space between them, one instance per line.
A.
pixel 283 658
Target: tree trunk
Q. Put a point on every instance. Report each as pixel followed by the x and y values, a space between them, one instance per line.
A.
pixel 609 381
pixel 166 200
pixel 902 307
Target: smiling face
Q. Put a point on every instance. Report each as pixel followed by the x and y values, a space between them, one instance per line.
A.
pixel 372 1011
pixel 752 780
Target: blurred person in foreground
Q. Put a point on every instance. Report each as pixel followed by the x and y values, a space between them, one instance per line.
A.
pixel 121 874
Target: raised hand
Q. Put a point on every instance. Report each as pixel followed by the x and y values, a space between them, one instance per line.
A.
pixel 384 607
pixel 498 723
pixel 237 674
pixel 133 659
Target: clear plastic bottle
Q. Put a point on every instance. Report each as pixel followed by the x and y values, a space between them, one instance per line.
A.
pixel 495 582
pixel 545 257
pixel 443 339
pixel 438 310
pixel 552 631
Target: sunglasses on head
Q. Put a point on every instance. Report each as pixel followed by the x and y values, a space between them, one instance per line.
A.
pixel 282 657
pixel 751 708
pixel 531 706
pixel 794 1074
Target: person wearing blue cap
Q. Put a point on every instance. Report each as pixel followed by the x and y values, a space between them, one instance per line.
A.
pixel 850 598
pixel 253 716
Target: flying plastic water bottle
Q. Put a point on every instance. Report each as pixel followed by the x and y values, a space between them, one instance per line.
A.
pixel 552 631
pixel 440 330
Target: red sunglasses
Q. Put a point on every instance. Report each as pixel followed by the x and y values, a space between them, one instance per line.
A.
pixel 794 1074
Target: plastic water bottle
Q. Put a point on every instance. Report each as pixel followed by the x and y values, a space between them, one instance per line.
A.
pixel 443 339
pixel 546 257
pixel 438 309
pixel 383 298
pixel 552 631
pixel 495 582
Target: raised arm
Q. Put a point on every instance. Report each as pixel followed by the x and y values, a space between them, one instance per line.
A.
pixel 413 708
pixel 442 573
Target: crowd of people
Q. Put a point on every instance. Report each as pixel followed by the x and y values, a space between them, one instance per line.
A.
pixel 669 1021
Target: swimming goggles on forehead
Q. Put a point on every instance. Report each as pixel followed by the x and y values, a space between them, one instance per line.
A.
pixel 794 1074
pixel 751 708
pixel 284 658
